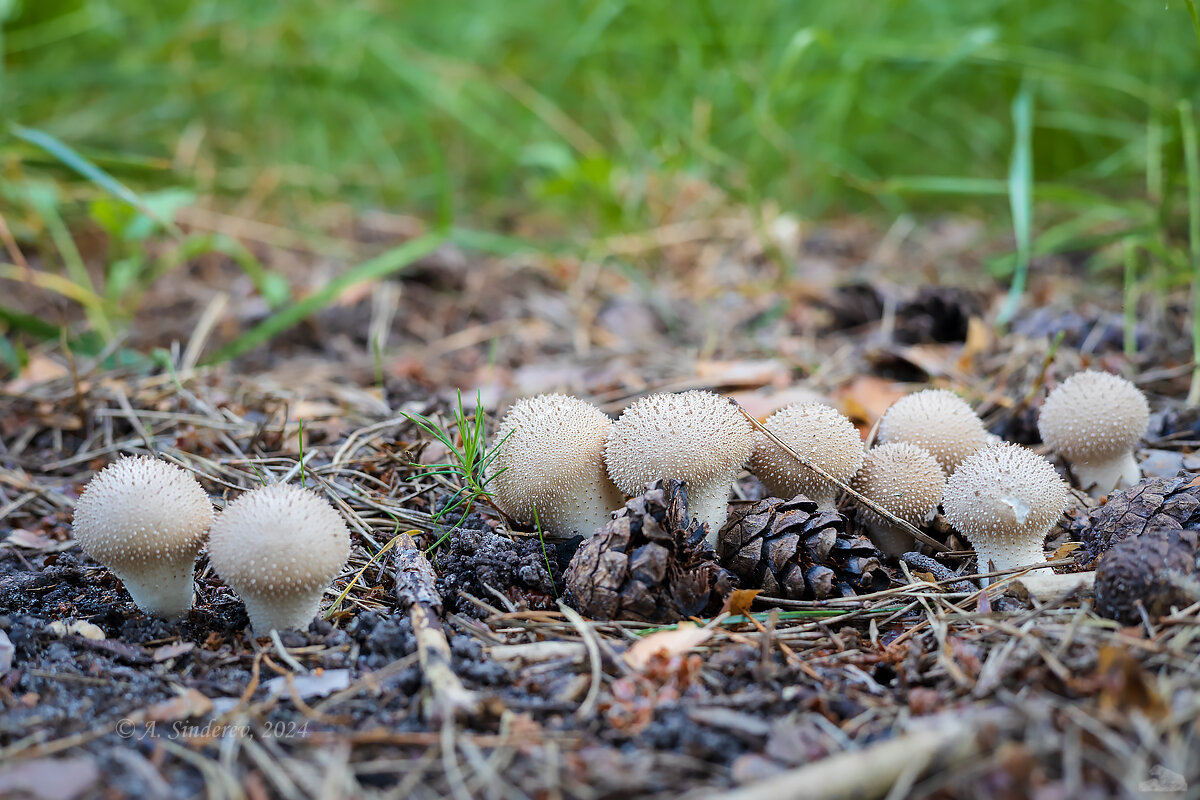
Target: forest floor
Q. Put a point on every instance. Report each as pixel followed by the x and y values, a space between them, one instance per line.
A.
pixel 924 688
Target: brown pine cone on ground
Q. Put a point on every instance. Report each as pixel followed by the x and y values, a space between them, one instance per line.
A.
pixel 1153 504
pixel 791 549
pixel 1153 571
pixel 649 563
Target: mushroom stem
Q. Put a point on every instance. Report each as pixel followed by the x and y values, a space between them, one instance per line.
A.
pixel 1009 555
pixel 892 540
pixel 710 504
pixel 1099 478
pixel 284 611
pixel 161 588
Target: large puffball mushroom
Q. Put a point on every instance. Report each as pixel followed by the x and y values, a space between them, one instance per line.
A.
pixel 279 547
pixel 938 421
pixel 905 480
pixel 551 458
pixel 697 437
pixel 146 520
pixel 1093 420
pixel 819 433
pixel 1004 499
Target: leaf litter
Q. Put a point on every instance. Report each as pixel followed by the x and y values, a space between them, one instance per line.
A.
pixel 475 681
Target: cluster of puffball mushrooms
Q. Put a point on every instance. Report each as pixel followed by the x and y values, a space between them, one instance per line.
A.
pixel 280 546
pixel 571 463
pixel 277 546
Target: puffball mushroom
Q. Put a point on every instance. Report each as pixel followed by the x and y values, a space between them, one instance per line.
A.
pixel 146 521
pixel 938 421
pixel 279 547
pixel 907 481
pixel 1004 499
pixel 697 437
pixel 1093 420
pixel 551 459
pixel 820 434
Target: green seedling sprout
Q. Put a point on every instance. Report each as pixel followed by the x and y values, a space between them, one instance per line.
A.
pixel 471 460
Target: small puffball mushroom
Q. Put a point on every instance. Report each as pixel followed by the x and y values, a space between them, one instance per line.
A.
pixel 1005 499
pixel 279 547
pixel 938 421
pixel 906 481
pixel 819 433
pixel 551 459
pixel 146 520
pixel 697 437
pixel 1093 420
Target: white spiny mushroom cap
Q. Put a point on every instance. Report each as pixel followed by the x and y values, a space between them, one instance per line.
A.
pixel 279 547
pixel 1093 420
pixel 938 421
pixel 551 458
pixel 907 481
pixel 146 520
pixel 820 434
pixel 1005 499
pixel 697 437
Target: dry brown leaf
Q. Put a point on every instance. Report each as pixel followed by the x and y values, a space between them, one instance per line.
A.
pixel 686 636
pixel 739 602
pixel 169 651
pixel 1065 549
pixel 1126 685
pixel 979 339
pixel 866 397
pixel 34 540
pixel 40 369
pixel 189 704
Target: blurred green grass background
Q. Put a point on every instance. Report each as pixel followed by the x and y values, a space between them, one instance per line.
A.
pixel 826 105
pixel 1064 121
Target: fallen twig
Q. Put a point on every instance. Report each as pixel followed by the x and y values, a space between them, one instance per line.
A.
pixel 415 591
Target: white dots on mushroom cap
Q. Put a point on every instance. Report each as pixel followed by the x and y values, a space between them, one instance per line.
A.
pixel 1004 499
pixel 938 421
pixel 1094 420
pixel 905 480
pixel 279 547
pixel 146 520
pixel 821 435
pixel 696 436
pixel 551 458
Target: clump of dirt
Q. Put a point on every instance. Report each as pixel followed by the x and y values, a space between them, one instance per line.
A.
pixel 483 563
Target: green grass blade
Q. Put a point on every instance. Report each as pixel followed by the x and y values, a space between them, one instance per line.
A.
pixel 1191 7
pixel 1187 127
pixel 88 170
pixel 377 268
pixel 1130 298
pixel 1020 197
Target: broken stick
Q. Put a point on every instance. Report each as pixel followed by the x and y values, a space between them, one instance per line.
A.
pixel 416 592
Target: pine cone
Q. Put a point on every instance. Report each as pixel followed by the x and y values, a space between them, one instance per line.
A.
pixel 792 549
pixel 1156 503
pixel 1155 570
pixel 649 563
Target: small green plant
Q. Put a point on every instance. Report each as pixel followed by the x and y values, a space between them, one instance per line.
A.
pixel 466 442
pixel 546 555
